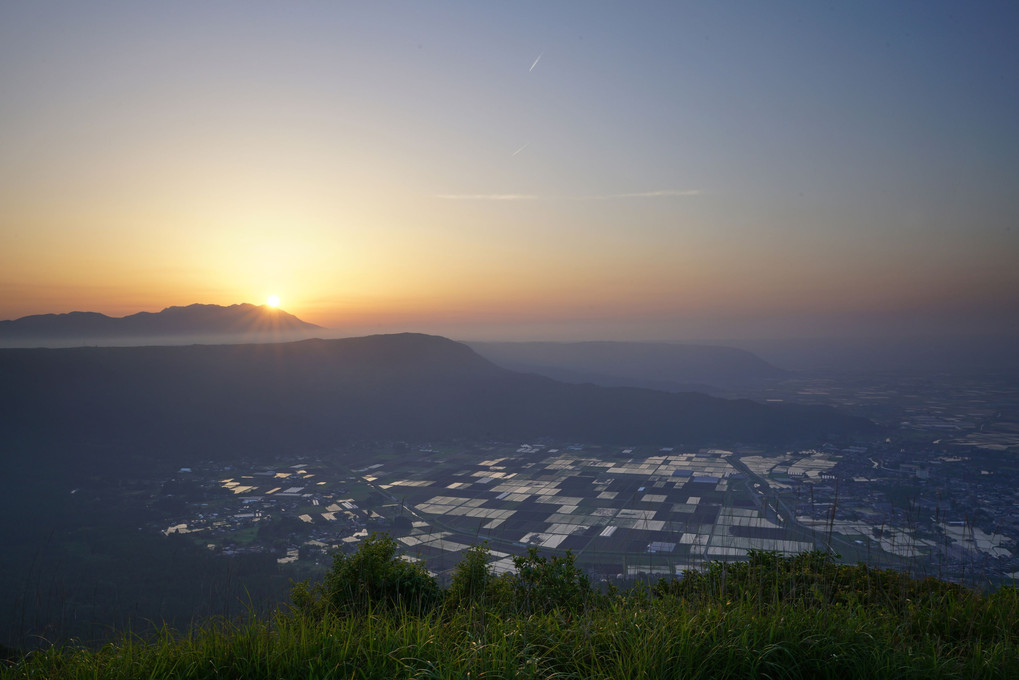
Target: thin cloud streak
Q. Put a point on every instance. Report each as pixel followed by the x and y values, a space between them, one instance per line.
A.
pixel 535 62
pixel 665 193
pixel 488 197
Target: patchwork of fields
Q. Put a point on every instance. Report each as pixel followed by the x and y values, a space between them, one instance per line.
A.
pixel 619 511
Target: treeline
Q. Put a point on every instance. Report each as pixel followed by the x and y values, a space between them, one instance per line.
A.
pixel 378 615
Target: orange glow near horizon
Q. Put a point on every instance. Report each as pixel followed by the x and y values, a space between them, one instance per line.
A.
pixel 472 292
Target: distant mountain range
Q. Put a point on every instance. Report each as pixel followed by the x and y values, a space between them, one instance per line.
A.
pixel 197 321
pixel 670 367
pixel 230 401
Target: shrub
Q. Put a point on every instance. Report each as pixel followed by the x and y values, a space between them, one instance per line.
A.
pixel 373 577
pixel 472 578
pixel 543 584
pixel 811 579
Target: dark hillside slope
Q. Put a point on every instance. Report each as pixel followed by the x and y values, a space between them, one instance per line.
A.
pixel 234 399
pixel 671 367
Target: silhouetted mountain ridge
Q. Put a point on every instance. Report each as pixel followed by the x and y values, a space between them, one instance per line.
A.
pixel 191 320
pixel 227 401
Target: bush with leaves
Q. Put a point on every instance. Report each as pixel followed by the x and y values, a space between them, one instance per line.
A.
pixel 811 579
pixel 374 577
pixel 474 584
pixel 543 584
pixel 471 577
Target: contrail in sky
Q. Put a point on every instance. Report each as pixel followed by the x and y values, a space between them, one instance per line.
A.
pixel 520 149
pixel 535 63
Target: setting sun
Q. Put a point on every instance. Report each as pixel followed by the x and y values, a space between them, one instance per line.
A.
pixel 273 301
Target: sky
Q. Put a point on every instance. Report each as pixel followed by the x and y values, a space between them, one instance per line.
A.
pixel 518 170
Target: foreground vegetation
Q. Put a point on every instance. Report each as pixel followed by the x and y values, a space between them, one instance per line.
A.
pixel 378 616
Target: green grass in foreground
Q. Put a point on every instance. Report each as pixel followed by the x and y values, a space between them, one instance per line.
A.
pixel 376 616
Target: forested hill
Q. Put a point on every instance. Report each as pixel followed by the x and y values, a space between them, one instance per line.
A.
pixel 228 400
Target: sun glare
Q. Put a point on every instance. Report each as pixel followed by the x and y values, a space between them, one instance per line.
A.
pixel 273 301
